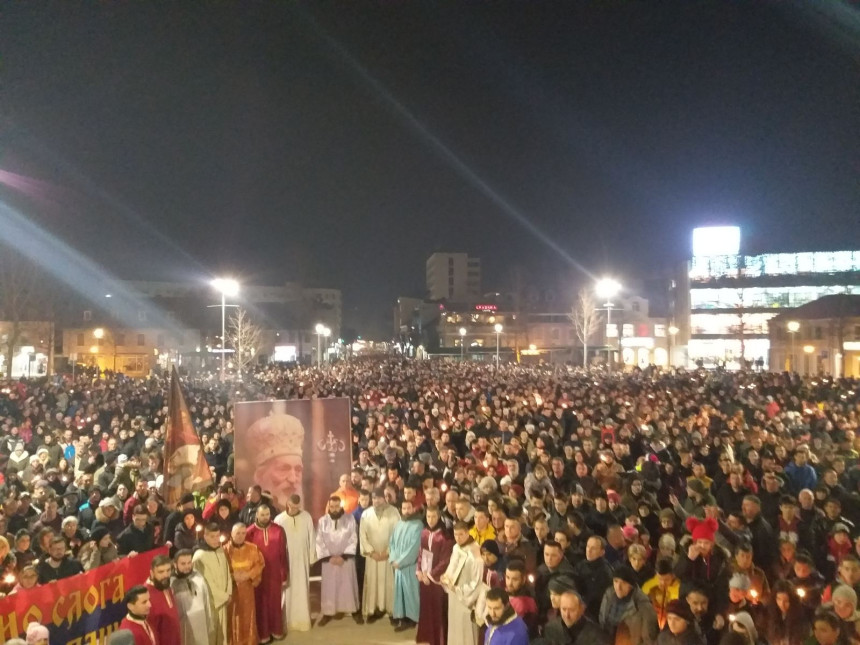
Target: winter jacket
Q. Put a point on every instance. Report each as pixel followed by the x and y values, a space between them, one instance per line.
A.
pixel 639 618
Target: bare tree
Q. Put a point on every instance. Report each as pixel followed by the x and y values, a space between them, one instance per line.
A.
pixel 585 318
pixel 244 336
pixel 18 300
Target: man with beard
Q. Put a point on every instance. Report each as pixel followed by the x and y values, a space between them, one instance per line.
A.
pixel 462 581
pixel 193 601
pixel 377 525
pixel 164 617
pixel 58 565
pixel 298 527
pixel 272 543
pixel 139 606
pixel 403 554
pixel 211 561
pixel 504 627
pixel 521 595
pixel 246 563
pixel 336 542
pixel 436 545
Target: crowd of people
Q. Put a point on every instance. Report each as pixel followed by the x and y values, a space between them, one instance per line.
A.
pixel 503 505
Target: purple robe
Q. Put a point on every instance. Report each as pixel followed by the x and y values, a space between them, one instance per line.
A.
pixel 433 606
pixel 337 537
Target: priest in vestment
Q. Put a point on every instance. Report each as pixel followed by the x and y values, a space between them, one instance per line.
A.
pixel 247 564
pixel 403 553
pixel 211 561
pixel 194 602
pixel 163 617
pixel 462 580
pixel 298 526
pixel 336 543
pixel 138 605
pixel 347 493
pixel 377 525
pixel 272 542
pixel 436 545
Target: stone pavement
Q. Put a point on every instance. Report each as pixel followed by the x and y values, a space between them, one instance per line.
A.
pixel 345 631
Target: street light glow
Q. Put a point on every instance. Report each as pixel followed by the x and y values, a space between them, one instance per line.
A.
pixel 227 286
pixel 607 287
pixel 498 328
pixel 673 330
pixel 99 333
pixel 793 326
pixel 808 349
pixel 462 331
pixel 319 328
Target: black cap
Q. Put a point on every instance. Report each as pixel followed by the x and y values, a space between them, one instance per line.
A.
pixel 491 546
pixel 626 573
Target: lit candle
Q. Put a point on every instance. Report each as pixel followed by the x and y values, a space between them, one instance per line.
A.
pixel 531 579
pixel 199 528
pixel 753 593
pixel 9 579
pixel 731 618
pixel 801 593
pixel 444 487
pixel 223 539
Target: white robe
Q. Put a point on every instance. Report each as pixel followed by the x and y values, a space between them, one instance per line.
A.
pixel 195 607
pixel 339 582
pixel 215 568
pixel 463 584
pixel 301 551
pixel 374 535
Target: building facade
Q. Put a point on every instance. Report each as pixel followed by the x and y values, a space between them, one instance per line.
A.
pixel 731 298
pixel 454 277
pixel 820 337
pixel 153 324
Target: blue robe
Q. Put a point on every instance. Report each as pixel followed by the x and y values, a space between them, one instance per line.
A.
pixel 512 632
pixel 403 549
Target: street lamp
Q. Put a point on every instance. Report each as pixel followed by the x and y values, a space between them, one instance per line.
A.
pixel 326 333
pixel 793 327
pixel 498 327
pixel 227 287
pixel 462 343
pixel 321 330
pixel 673 331
pixel 606 289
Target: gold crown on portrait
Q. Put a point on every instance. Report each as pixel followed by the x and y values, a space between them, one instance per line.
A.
pixel 285 438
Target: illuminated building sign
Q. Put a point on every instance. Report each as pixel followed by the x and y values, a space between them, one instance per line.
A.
pixel 486 307
pixel 716 240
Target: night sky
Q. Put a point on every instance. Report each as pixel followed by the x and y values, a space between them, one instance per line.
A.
pixel 341 143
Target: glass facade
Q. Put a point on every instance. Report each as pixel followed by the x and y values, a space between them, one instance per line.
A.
pixel 761 297
pixel 774 264
pixel 752 290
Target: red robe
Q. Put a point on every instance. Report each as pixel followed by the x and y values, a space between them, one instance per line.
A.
pixel 141 630
pixel 272 543
pixel 163 617
pixel 433 607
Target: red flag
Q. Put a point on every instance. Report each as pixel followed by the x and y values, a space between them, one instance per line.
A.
pixel 185 468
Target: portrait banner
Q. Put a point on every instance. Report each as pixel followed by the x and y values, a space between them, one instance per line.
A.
pixel 293 447
pixel 82 610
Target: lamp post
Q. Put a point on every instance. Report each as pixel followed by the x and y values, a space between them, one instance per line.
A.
pixel 673 331
pixel 321 330
pixel 606 289
pixel 808 350
pixel 326 333
pixel 793 327
pixel 498 327
pixel 462 344
pixel 227 287
pixel 99 333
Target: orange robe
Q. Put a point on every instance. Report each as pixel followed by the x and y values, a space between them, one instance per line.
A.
pixel 348 498
pixel 243 616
